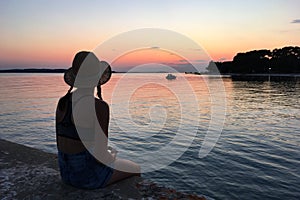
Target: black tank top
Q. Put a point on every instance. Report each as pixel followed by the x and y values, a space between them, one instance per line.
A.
pixel 66 128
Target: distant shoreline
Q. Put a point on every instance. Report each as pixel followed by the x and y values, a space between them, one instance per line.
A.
pixel 32 70
pixel 234 76
pixel 35 70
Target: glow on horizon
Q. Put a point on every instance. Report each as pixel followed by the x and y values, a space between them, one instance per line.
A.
pixel 49 33
pixel 147 56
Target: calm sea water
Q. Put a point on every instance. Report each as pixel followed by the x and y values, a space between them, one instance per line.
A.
pixel 256 157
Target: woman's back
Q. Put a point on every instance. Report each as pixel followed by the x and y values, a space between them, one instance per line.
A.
pixel 77 166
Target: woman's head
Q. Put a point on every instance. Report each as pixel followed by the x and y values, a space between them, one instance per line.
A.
pixel 87 71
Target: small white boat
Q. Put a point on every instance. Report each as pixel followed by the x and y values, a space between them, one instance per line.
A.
pixel 170 77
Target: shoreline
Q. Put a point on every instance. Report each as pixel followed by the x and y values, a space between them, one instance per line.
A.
pixel 37 71
pixel 28 173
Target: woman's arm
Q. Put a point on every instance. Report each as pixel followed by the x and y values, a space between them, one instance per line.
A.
pixel 61 109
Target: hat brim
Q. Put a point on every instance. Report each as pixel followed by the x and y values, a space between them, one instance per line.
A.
pixel 106 75
pixel 69 76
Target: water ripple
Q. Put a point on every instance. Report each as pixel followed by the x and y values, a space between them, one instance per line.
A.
pixel 256 157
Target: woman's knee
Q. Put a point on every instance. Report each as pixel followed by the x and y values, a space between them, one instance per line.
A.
pixel 138 168
pixel 127 166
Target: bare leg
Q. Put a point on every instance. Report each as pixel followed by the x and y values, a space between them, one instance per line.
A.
pixel 130 169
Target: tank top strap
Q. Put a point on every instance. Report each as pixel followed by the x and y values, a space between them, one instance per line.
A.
pixel 66 128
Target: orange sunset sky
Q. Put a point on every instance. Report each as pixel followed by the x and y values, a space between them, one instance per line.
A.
pixel 47 34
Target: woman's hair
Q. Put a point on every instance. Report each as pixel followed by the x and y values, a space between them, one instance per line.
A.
pixel 63 101
pixel 99 94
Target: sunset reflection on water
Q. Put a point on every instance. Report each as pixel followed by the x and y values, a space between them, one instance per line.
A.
pixel 259 145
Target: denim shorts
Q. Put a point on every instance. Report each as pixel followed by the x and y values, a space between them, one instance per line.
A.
pixel 82 170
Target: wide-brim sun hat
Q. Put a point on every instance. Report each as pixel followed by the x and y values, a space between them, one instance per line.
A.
pixel 87 71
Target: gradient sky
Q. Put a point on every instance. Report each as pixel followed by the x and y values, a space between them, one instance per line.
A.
pixel 47 34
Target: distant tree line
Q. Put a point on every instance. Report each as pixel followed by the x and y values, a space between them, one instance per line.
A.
pixel 278 61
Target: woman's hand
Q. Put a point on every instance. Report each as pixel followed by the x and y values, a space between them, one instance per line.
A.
pixel 114 155
pixel 113 152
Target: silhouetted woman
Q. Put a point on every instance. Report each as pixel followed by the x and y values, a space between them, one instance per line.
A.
pixel 83 154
